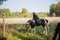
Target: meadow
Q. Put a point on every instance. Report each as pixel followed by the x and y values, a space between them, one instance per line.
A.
pixel 13 24
pixel 17 31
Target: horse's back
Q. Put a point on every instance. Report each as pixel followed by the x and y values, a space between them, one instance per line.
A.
pixel 44 20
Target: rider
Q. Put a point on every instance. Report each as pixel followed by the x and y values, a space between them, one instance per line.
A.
pixel 36 18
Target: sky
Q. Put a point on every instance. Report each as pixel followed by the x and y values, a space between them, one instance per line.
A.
pixel 30 5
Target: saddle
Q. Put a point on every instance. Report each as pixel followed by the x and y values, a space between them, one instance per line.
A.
pixel 37 21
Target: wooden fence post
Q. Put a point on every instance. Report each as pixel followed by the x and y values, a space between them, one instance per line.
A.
pixel 3 27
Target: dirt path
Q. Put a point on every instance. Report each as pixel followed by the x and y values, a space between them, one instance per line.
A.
pixel 24 20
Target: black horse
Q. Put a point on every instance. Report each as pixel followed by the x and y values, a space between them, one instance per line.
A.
pixel 32 24
pixel 57 31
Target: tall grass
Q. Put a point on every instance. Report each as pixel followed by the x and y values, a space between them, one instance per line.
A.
pixel 19 33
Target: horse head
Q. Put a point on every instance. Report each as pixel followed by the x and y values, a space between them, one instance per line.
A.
pixel 29 24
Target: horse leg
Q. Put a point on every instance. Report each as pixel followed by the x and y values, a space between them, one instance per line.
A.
pixel 34 31
pixel 45 31
pixel 31 30
pixel 47 26
pixel 27 30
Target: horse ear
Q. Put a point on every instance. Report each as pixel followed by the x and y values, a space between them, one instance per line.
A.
pixel 58 24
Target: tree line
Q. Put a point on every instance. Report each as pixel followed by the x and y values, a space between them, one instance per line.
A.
pixel 24 13
pixel 54 11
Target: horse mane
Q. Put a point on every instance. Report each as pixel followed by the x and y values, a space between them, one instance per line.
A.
pixel 58 25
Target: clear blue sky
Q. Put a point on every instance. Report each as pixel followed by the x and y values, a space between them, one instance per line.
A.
pixel 30 5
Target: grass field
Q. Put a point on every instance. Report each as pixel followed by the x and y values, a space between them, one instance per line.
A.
pixel 17 31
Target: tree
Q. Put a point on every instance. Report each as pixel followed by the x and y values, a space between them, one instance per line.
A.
pixel 4 12
pixel 1 1
pixel 58 9
pixel 55 8
pixel 52 9
pixel 24 12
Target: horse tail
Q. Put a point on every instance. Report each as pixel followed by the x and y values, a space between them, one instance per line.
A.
pixel 46 20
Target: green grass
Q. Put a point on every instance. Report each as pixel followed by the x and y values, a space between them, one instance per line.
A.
pixel 19 33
